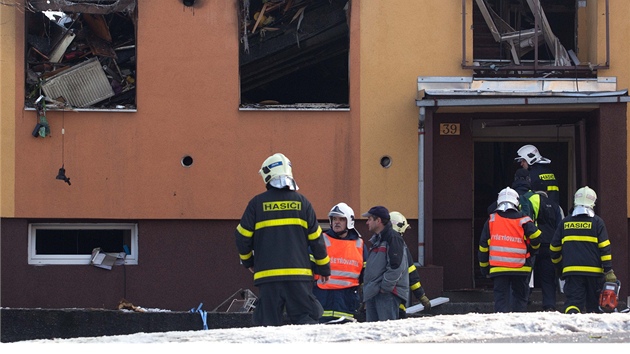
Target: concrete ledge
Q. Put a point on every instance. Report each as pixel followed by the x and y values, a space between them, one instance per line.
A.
pixel 27 324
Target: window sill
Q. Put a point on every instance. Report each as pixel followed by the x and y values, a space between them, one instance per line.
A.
pixel 295 107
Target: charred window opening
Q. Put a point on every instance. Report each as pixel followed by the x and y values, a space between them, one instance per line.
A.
pixel 81 54
pixel 294 52
pixel 509 39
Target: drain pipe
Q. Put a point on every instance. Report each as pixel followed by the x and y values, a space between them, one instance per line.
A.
pixel 421 187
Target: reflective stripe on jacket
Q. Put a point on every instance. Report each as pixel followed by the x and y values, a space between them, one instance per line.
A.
pixel 346 263
pixel 275 234
pixel 581 246
pixel 507 242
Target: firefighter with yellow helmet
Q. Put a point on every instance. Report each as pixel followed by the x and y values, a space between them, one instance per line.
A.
pixel 400 225
pixel 581 250
pixel 274 237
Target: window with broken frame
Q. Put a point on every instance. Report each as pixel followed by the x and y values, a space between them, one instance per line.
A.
pixel 80 54
pixel 527 38
pixel 294 53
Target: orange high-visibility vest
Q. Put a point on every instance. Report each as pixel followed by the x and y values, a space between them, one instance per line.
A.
pixel 346 263
pixel 507 243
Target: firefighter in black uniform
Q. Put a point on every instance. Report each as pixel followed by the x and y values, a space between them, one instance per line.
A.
pixel 400 224
pixel 580 249
pixel 548 217
pixel 529 157
pixel 273 239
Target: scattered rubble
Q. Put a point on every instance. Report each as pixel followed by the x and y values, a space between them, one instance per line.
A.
pixel 81 54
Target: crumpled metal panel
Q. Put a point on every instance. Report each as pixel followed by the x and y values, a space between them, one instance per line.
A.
pixel 84 6
pixel 601 86
pixel 81 85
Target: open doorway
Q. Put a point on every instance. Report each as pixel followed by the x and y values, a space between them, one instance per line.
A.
pixel 494 170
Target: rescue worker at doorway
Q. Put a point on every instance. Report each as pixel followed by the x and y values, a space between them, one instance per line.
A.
pixel 549 216
pixel 529 157
pixel 581 250
pixel 522 185
pixel 273 239
pixel 386 281
pixel 347 252
pixel 400 224
pixel 508 240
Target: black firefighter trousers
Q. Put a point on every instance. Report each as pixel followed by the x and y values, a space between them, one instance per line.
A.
pixel 294 297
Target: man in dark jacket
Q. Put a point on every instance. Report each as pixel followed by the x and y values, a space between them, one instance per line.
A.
pixel 273 240
pixel 549 216
pixel 385 282
pixel 522 185
pixel 508 240
pixel 580 249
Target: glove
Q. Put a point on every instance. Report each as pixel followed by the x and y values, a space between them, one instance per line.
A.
pixel 424 300
pixel 402 314
pixel 610 276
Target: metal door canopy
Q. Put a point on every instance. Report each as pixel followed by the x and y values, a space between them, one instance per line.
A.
pixel 457 91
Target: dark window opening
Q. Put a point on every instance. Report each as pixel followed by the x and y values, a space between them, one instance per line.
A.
pixel 81 59
pixel 81 241
pixel 294 52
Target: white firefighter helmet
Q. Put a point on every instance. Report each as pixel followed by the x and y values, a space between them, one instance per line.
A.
pixel 276 170
pixel 399 222
pixel 531 155
pixel 585 196
pixel 507 199
pixel 344 211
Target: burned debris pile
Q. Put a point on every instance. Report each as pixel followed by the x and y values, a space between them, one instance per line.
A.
pixel 294 52
pixel 81 59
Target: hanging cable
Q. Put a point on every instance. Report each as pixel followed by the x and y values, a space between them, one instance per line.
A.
pixel 62 171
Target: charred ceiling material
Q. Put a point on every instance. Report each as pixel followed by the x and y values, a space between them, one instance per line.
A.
pixel 81 54
pixel 89 6
pixel 294 52
pixel 526 38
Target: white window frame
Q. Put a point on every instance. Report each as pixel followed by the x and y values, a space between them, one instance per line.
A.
pixel 84 259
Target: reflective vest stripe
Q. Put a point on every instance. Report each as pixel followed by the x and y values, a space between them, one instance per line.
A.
pixel 346 262
pixel 507 243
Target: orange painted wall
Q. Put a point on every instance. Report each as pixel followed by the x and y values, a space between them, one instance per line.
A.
pixel 127 165
pixel 400 42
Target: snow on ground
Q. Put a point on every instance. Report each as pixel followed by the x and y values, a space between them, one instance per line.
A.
pixel 437 332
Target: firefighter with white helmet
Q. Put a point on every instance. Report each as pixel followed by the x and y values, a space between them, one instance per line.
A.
pixel 274 237
pixel 584 201
pixel 508 241
pixel 507 199
pixel 347 252
pixel 277 171
pixel 400 225
pixel 581 252
pixel 529 157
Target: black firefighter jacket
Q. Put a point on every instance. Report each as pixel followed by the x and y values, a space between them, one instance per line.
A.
pixel 274 236
pixel 580 246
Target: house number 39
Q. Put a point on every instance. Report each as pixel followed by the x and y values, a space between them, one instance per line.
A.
pixel 449 128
